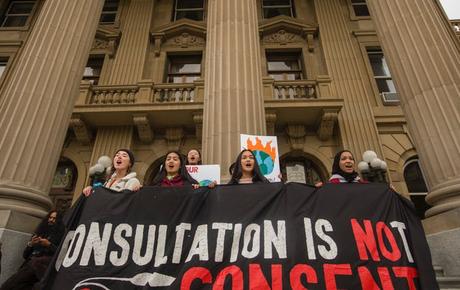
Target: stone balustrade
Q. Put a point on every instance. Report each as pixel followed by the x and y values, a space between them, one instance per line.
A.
pixel 290 90
pixel 174 93
pixel 111 95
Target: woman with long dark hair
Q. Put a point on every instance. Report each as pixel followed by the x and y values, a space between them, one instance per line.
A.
pixel 246 169
pixel 173 172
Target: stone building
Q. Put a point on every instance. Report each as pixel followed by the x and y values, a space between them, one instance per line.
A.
pixel 321 75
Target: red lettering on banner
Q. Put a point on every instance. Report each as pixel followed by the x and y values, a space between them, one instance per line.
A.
pixel 368 282
pixel 409 273
pixel 332 270
pixel 192 169
pixel 365 239
pixel 236 275
pixel 302 270
pixel 195 273
pixel 394 254
pixel 257 280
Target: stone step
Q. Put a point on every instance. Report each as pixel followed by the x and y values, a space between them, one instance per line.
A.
pixel 449 283
pixel 439 271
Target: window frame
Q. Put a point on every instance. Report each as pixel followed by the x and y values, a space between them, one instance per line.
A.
pixel 290 6
pixel 284 73
pixel 94 80
pixel 175 10
pixel 306 162
pixel 116 13
pixel 170 75
pixel 410 161
pixel 353 15
pixel 5 16
pixel 377 50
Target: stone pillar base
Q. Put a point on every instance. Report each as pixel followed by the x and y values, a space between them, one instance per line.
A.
pixel 443 234
pixel 15 232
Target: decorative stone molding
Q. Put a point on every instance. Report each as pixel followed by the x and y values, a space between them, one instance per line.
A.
pixel 186 40
pixel 174 138
pixel 327 123
pixel 183 33
pixel 282 30
pixel 106 41
pixel 270 118
pixel 144 130
pixel 282 37
pixel 198 120
pixel 296 136
pixel 81 130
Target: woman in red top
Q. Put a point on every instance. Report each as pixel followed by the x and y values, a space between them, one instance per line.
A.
pixel 343 169
pixel 173 172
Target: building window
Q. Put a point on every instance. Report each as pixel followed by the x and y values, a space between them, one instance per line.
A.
pixel 382 76
pixel 416 186
pixel 93 69
pixel 3 64
pixel 360 8
pixel 184 68
pixel 63 185
pixel 190 9
pixel 300 169
pixel 284 66
pixel 17 13
pixel 109 12
pixel 272 8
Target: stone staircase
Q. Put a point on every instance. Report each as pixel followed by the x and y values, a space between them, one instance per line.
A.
pixel 445 282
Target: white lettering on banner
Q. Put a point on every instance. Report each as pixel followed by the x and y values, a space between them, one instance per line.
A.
pixel 63 251
pixel 309 239
pixel 220 246
pixel 278 240
pixel 96 245
pixel 139 242
pixel 401 227
pixel 180 231
pixel 236 242
pixel 321 227
pixel 254 238
pixel 120 259
pixel 200 244
pixel 76 244
pixel 160 257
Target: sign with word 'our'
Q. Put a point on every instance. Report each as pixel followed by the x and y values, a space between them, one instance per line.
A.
pixel 205 174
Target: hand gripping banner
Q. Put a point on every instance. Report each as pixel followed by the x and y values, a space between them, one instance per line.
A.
pixel 255 236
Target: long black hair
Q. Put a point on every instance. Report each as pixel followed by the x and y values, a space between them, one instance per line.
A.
pixel 44 229
pixel 237 170
pixel 350 177
pixel 199 154
pixel 182 170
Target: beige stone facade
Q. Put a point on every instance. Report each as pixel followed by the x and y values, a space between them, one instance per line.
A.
pixel 162 81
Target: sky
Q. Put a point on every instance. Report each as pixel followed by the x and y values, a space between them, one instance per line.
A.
pixel 452 8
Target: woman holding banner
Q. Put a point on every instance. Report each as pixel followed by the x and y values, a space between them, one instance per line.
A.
pixel 173 172
pixel 246 169
pixel 121 177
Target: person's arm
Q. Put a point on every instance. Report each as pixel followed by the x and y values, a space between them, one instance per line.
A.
pixel 133 184
pixel 88 190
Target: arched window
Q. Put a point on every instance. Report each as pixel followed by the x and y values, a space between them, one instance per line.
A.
pixel 300 168
pixel 63 186
pixel 416 185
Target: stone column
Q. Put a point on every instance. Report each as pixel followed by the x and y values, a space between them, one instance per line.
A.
pixel 425 65
pixel 346 67
pixel 37 102
pixel 35 108
pixel 233 80
pixel 129 60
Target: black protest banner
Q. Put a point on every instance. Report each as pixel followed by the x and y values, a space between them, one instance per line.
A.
pixel 256 236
